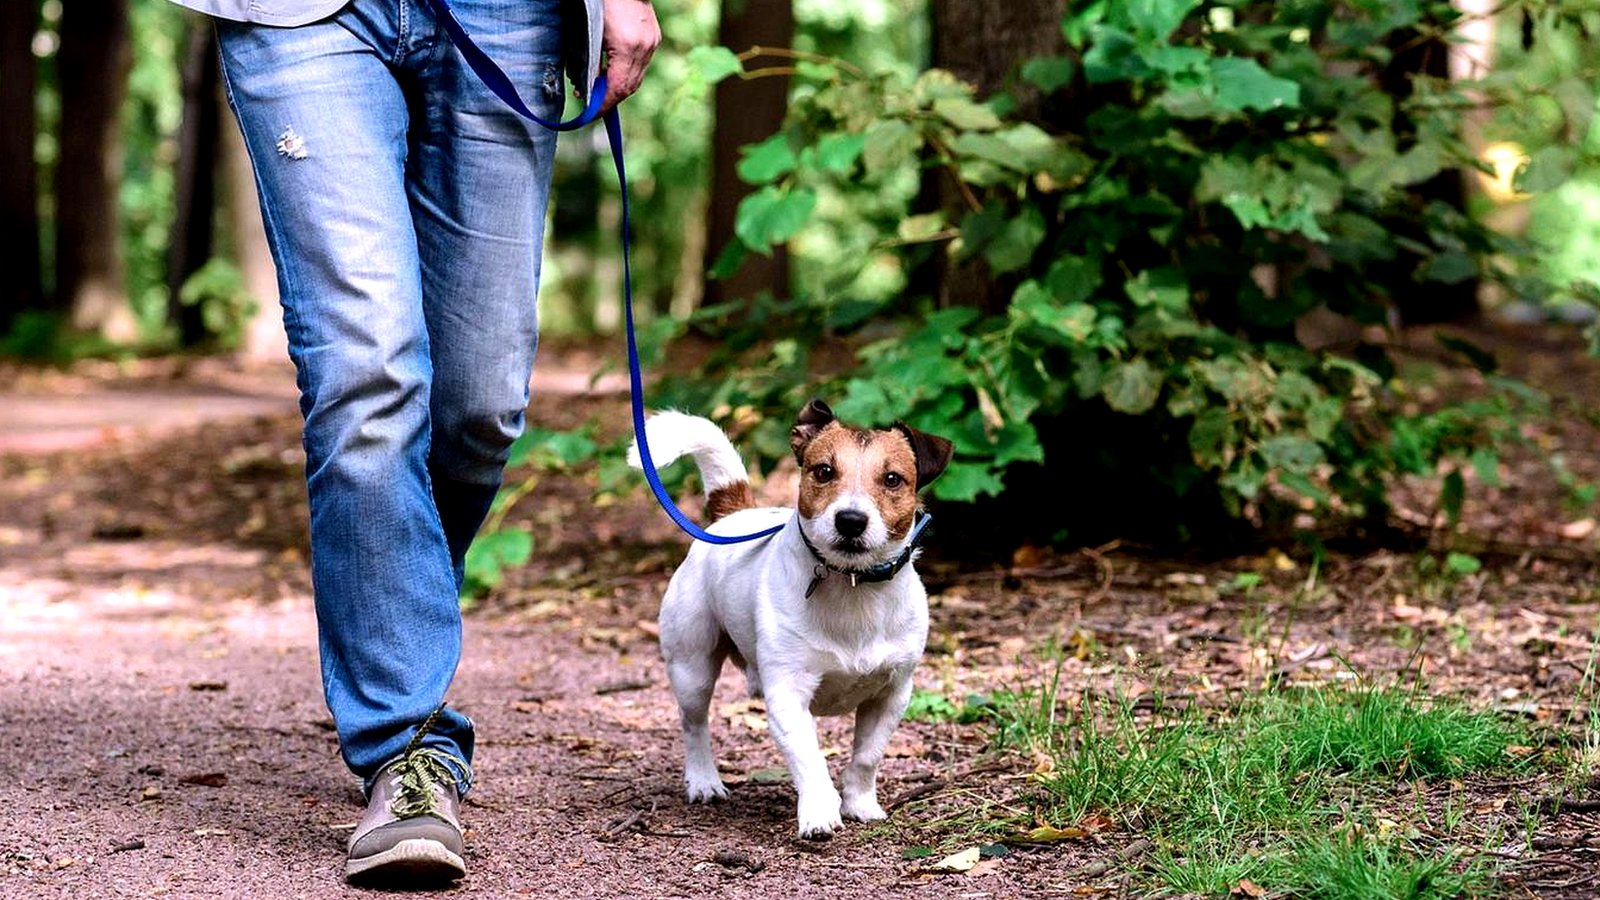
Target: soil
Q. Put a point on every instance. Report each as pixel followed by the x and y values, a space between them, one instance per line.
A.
pixel 166 734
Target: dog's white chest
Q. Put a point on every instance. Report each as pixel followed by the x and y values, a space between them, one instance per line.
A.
pixel 841 692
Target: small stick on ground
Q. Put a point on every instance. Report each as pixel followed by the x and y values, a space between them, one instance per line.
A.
pixel 1101 866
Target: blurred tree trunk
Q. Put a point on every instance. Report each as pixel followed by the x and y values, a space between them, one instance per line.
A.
pixel 20 289
pixel 1416 55
pixel 189 244
pixel 92 71
pixel 745 112
pixel 982 43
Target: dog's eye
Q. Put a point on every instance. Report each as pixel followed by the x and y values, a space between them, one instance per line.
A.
pixel 893 480
pixel 822 472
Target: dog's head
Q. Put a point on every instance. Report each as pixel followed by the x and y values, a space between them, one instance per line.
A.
pixel 858 487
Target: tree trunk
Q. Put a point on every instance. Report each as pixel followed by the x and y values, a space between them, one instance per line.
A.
pixel 92 69
pixel 982 43
pixel 745 112
pixel 20 289
pixel 1427 303
pixel 189 243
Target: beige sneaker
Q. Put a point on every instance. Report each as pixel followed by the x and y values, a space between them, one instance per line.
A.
pixel 410 836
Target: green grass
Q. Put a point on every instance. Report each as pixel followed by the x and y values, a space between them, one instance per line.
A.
pixel 1296 791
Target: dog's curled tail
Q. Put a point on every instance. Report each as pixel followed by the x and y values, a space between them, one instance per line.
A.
pixel 674 434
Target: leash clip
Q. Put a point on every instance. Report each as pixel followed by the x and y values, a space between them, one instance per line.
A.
pixel 818 573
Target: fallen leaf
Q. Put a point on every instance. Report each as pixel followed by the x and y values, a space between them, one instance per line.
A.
pixel 957 863
pixel 1049 834
pixel 650 628
pixel 1577 531
pixel 1029 557
pixel 151 792
pixel 1247 888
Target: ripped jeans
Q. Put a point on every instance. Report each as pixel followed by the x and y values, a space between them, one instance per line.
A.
pixel 405 207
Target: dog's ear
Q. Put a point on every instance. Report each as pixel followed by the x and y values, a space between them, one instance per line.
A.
pixel 813 419
pixel 932 452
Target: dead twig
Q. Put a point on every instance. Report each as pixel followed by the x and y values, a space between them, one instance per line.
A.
pixel 1107 572
pixel 934 786
pixel 1105 864
pixel 634 820
pixel 622 687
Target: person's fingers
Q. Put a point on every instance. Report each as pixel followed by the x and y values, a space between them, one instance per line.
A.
pixel 631 37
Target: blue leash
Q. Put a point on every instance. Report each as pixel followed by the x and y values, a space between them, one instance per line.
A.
pixel 495 79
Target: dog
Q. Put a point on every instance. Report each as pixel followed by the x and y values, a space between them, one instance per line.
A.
pixel 825 617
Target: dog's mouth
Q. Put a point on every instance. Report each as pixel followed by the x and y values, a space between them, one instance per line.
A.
pixel 850 546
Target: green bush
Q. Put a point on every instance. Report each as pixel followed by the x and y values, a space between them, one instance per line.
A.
pixel 1198 178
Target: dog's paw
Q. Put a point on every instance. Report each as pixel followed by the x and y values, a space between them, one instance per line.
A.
pixel 863 808
pixel 819 818
pixel 706 790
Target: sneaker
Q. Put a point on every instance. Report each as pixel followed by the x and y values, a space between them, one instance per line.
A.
pixel 411 834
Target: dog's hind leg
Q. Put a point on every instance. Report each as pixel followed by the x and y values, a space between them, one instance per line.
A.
pixel 876 721
pixel 693 675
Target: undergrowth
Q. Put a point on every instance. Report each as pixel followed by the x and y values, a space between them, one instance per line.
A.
pixel 1296 793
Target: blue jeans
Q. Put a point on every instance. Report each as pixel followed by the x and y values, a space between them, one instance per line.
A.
pixel 405 209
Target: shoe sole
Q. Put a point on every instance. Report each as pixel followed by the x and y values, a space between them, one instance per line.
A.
pixel 409 862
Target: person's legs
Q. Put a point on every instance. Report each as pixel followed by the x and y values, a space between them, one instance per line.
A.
pixel 479 178
pixel 325 118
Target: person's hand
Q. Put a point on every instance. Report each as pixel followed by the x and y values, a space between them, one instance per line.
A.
pixel 629 40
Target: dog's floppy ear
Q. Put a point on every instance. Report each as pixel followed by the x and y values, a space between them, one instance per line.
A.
pixel 813 419
pixel 932 452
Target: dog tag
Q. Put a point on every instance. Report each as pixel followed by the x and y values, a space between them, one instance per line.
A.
pixel 853 579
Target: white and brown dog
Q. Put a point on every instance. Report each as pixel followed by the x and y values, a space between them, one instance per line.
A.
pixel 825 617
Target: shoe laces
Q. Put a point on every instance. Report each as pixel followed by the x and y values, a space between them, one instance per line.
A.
pixel 419 770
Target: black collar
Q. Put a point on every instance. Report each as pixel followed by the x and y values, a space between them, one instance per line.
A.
pixel 881 572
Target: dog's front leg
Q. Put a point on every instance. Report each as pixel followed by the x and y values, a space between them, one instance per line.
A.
pixel 795 731
pixel 876 721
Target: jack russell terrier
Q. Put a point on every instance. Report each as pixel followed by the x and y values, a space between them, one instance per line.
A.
pixel 825 617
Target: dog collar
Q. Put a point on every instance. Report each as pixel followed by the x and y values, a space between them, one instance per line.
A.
pixel 881 572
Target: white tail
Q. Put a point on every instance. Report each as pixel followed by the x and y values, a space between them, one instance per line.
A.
pixel 673 435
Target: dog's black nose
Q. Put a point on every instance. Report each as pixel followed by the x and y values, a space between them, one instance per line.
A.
pixel 850 523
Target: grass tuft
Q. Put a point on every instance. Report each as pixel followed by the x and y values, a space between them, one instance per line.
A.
pixel 1254 791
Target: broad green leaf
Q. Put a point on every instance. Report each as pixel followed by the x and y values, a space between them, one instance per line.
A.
pixel 1212 438
pixel 1073 278
pixel 890 144
pixel 1132 387
pixel 1163 288
pixel 1070 323
pixel 966 114
pixel 837 153
pixel 1242 84
pixel 1113 55
pixel 1013 246
pixel 714 63
pixel 494 552
pixel 1049 73
pixel 965 481
pixel 920 228
pixel 770 216
pixel 767 161
pixel 1154 20
pixel 1291 452
pixel 1549 168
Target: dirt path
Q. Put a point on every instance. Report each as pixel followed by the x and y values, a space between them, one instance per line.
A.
pixel 166 734
pixel 166 747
